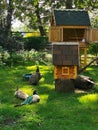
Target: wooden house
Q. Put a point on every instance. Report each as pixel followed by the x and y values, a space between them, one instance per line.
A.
pixel 72 26
pixel 70 32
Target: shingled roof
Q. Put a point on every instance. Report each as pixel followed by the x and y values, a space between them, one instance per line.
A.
pixel 71 18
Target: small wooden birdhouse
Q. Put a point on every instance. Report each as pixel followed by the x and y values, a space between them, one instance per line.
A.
pixel 65 60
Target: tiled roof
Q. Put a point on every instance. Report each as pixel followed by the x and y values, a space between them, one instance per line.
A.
pixel 71 18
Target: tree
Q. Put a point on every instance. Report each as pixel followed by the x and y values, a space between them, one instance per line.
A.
pixel 86 4
pixel 5 21
pixel 68 4
pixel 35 14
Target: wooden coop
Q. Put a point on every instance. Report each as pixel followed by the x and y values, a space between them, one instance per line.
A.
pixel 70 32
pixel 73 26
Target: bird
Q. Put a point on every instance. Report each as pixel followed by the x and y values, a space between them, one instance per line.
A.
pixel 35 98
pixel 34 79
pixel 20 94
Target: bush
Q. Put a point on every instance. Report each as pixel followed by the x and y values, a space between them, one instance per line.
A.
pixel 93 49
pixel 17 59
pixel 37 43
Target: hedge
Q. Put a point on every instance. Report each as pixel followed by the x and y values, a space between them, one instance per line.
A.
pixel 37 43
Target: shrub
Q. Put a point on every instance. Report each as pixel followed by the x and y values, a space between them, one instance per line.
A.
pixel 17 59
pixel 37 43
pixel 93 49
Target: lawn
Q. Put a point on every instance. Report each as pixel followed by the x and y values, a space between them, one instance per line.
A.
pixel 60 111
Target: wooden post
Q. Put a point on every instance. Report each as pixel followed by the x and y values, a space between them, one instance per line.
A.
pixel 64 85
pixel 62 39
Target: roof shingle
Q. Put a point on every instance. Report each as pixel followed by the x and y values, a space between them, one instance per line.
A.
pixel 71 17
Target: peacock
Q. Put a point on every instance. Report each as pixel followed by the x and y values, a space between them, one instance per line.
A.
pixel 30 99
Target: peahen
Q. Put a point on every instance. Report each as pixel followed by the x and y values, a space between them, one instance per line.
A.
pixel 20 94
pixel 34 79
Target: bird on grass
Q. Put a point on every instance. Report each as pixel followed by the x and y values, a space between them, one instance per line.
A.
pixel 20 94
pixel 30 99
pixel 34 79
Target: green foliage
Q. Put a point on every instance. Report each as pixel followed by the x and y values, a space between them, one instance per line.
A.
pixel 93 49
pixel 35 14
pixel 17 59
pixel 37 43
pixel 86 4
pixel 22 57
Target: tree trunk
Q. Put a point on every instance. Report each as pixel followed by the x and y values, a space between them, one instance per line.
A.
pixel 41 29
pixel 68 4
pixel 5 24
pixel 9 17
pixel 64 85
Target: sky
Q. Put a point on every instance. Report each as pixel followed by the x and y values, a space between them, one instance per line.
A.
pixel 16 24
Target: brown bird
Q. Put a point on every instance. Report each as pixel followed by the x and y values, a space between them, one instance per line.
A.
pixel 34 79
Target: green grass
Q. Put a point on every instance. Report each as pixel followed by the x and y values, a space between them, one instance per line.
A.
pixel 60 111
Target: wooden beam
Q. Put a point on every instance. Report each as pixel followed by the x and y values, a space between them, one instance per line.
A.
pixel 62 39
pixel 76 27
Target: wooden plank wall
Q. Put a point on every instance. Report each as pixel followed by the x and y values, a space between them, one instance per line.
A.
pixel 73 34
pixel 92 35
pixel 55 34
pixel 65 54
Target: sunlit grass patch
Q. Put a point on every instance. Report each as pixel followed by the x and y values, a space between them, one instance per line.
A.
pixel 43 98
pixel 88 99
pixel 89 69
pixel 31 67
pixel 27 90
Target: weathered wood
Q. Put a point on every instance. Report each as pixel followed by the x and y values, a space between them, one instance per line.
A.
pixel 55 34
pixel 65 54
pixel 76 27
pixel 92 35
pixel 64 85
pixel 83 45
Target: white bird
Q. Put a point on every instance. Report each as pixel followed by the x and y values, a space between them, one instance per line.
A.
pixel 35 97
pixel 20 94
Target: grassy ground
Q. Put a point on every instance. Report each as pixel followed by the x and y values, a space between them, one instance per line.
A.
pixel 60 111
